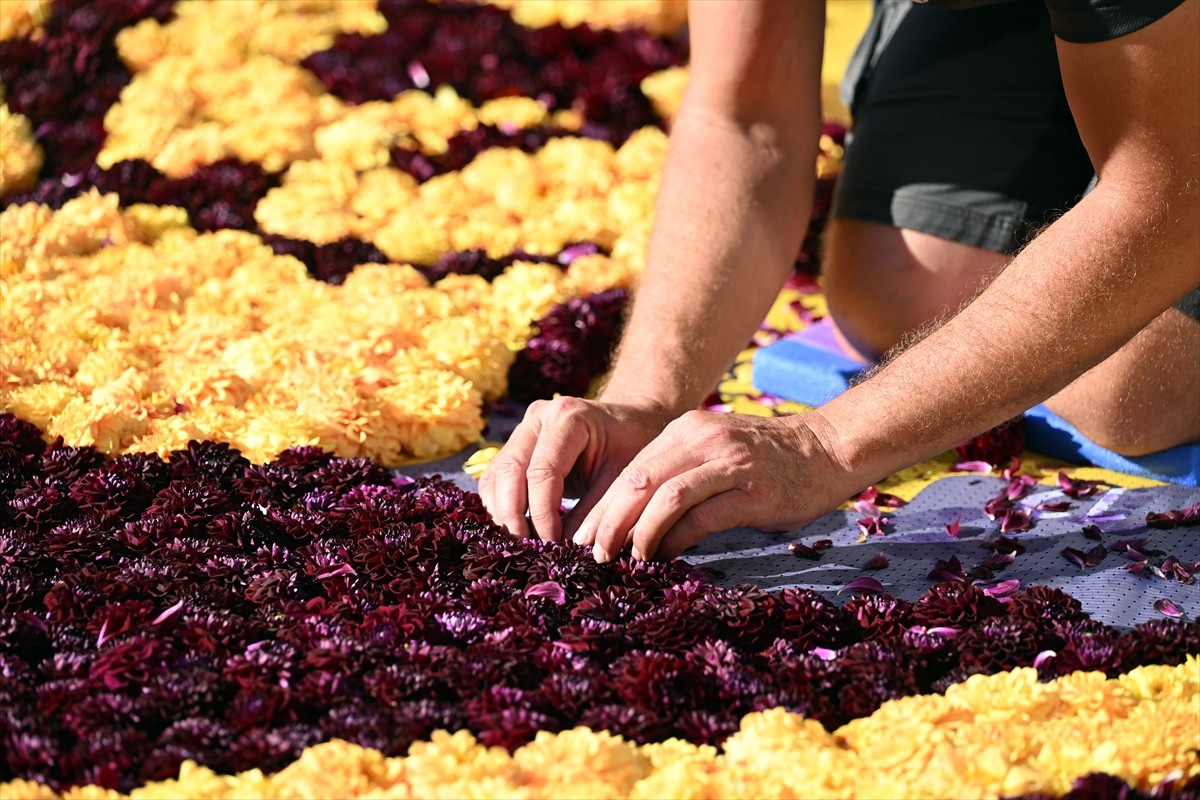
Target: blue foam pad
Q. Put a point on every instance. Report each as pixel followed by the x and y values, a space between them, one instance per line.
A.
pixel 812 372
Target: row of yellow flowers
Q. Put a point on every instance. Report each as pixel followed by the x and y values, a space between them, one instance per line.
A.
pixel 1004 734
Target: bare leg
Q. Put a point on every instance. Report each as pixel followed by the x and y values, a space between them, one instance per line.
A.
pixel 883 283
pixel 1146 396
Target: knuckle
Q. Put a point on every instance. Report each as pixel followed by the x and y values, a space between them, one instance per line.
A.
pixel 536 407
pixel 504 469
pixel 569 406
pixel 700 518
pixel 541 474
pixel 675 492
pixel 636 478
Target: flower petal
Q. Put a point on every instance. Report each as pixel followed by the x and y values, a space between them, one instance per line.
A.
pixel 952 529
pixel 864 585
pixel 551 590
pixel 973 466
pixel 1164 606
pixel 878 561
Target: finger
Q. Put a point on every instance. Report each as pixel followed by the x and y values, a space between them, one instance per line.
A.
pixel 625 500
pixel 673 499
pixel 502 487
pixel 557 449
pixel 718 513
pixel 593 495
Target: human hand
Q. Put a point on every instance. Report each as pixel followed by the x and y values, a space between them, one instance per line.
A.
pixel 708 472
pixel 594 440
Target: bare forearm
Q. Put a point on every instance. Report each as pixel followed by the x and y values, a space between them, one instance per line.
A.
pixel 732 211
pixel 1073 297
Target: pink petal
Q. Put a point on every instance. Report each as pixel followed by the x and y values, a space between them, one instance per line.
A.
pixel 344 569
pixel 1164 606
pixel 551 590
pixel 973 466
pixel 1062 505
pixel 1042 658
pixel 824 653
pixel 952 529
pixel 865 585
pixel 164 616
pixel 1076 557
pixel 103 636
pixel 1003 588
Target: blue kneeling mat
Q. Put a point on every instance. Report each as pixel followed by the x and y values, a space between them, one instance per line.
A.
pixel 809 368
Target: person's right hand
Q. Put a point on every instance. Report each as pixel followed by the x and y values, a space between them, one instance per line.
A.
pixel 568 435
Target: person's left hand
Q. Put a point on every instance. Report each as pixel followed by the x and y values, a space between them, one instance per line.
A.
pixel 707 472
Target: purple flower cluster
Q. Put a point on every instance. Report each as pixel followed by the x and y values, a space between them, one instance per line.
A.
pixel 465 145
pixel 202 607
pixel 571 347
pixel 216 196
pixel 484 54
pixel 68 77
pixel 1101 786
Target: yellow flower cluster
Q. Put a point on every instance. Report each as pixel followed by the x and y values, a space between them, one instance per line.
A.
pixel 22 17
pixel 573 189
pixel 665 90
pixel 347 189
pixel 221 80
pixel 289 30
pixel 20 154
pixel 130 331
pixel 989 736
pixel 660 17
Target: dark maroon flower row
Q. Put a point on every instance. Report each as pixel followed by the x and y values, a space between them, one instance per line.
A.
pixel 484 55
pixel 68 78
pixel 1101 786
pixel 202 607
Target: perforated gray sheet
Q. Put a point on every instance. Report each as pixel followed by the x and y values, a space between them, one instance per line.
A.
pixel 917 539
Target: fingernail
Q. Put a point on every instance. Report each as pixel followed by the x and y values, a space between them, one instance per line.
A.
pixel 637 554
pixel 580 537
pixel 599 554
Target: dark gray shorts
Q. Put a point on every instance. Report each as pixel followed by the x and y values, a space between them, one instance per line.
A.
pixel 961 126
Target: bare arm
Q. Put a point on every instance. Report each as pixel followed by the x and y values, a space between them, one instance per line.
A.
pixel 734 200
pixel 1083 288
pixel 732 209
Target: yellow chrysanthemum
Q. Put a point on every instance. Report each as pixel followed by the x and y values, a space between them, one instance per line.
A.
pixel 21 18
pixel 660 17
pixel 20 154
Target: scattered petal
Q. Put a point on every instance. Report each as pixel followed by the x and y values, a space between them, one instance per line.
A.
pixel 1093 532
pixel 1094 556
pixel 1164 606
pixel 1002 588
pixel 551 590
pixel 1016 519
pixel 864 585
pixel 1042 657
pixel 1003 544
pixel 1076 557
pixel 804 551
pixel 952 529
pixel 973 466
pixel 878 561
pixel 948 570
pixel 1079 488
pixel 1060 505
pixel 164 616
pixel 822 544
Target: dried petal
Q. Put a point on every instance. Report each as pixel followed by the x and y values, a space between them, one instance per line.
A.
pixel 1164 606
pixel 1003 544
pixel 949 570
pixel 1095 556
pixel 878 561
pixel 802 550
pixel 1076 557
pixel 864 585
pixel 1079 488
pixel 1060 505
pixel 1093 532
pixel 552 590
pixel 1002 588
pixel 1016 519
pixel 822 544
pixel 952 529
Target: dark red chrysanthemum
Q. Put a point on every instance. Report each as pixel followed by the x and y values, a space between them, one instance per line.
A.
pixel 570 348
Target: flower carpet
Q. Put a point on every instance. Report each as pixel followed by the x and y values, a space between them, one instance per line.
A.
pixel 263 263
